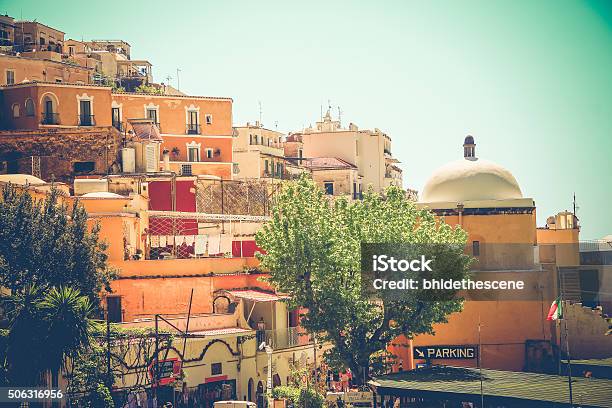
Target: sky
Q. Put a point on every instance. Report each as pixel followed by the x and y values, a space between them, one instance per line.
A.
pixel 530 80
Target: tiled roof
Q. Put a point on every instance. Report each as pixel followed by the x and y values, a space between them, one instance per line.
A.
pixel 145 130
pixel 320 163
pixel 501 385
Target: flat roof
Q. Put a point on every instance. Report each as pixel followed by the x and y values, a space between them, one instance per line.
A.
pixel 445 382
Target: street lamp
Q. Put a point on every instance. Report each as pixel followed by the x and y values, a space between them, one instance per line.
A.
pixel 268 349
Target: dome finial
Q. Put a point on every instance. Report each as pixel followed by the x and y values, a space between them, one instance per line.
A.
pixel 469 148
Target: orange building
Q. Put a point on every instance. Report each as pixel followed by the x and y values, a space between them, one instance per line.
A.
pixel 510 333
pixel 15 70
pixel 196 131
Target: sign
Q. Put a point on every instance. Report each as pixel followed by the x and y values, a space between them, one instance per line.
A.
pixel 169 370
pixel 358 399
pixel 445 352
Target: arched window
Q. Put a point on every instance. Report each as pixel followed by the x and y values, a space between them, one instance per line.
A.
pixel 29 107
pixel 16 110
pixel 49 110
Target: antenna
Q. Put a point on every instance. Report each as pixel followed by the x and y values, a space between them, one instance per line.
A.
pixel 339 116
pixel 178 80
pixel 260 112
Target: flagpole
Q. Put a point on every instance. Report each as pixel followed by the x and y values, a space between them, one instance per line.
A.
pixel 480 363
pixel 567 349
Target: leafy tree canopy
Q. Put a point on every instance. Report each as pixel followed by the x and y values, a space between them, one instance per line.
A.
pixel 47 244
pixel 312 250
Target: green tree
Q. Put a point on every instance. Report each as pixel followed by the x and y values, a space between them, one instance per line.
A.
pixel 48 244
pixel 46 329
pixel 312 250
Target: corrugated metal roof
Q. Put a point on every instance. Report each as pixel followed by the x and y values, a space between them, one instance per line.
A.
pixel 587 392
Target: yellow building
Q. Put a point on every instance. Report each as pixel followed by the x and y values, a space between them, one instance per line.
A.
pixel 368 150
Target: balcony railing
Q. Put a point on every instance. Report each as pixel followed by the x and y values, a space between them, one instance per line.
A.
pixel 193 129
pixel 118 126
pixel 50 118
pixel 86 120
pixel 285 338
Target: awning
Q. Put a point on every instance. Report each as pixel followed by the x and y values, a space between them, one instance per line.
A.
pixel 256 295
pixel 220 332
pixel 498 387
pixel 145 130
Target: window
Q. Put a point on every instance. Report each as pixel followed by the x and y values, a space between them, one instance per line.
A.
pixel 58 80
pixel 10 77
pixel 42 41
pixel 15 110
pixel 70 50
pixel 29 107
pixel 250 139
pixel 85 117
pixel 193 154
pixel 256 139
pixel 83 167
pixel 193 128
pixel 186 170
pixel 279 169
pixel 300 153
pixel 116 114
pixel 152 114
pixel 216 369
pixel 209 153
pixel 476 248
pixel 113 309
pixel 329 188
pixel 266 168
pixel 208 119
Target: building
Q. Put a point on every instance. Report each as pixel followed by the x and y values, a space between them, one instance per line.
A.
pixel 17 69
pixel 7 32
pixel 35 36
pixel 368 150
pixel 260 154
pixel 335 176
pixel 196 130
pixel 486 201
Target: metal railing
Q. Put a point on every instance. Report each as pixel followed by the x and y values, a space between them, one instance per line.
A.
pixel 285 338
pixel 118 126
pixel 86 120
pixel 193 129
pixel 50 118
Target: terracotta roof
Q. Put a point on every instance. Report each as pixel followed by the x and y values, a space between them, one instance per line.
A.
pixel 256 295
pixel 320 163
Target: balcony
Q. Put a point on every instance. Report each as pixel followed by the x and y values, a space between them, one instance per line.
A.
pixel 118 126
pixel 50 118
pixel 285 338
pixel 193 129
pixel 86 120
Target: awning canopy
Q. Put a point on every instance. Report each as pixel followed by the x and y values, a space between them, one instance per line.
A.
pixel 220 332
pixel 499 387
pixel 257 295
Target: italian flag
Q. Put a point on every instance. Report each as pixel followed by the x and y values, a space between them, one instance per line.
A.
pixel 556 310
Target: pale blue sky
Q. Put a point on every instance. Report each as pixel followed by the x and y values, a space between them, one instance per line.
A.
pixel 531 80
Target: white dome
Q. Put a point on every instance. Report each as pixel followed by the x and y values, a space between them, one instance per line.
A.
pixel 101 194
pixel 470 179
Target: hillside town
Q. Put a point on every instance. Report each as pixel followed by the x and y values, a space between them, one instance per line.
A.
pixel 178 192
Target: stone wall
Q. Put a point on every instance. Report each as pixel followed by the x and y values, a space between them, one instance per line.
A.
pixel 64 153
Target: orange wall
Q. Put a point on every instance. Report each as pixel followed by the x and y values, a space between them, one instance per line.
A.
pixel 67 104
pixel 501 228
pixel 222 144
pixel 172 116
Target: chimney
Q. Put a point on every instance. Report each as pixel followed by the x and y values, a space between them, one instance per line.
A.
pixel 166 156
pixel 469 148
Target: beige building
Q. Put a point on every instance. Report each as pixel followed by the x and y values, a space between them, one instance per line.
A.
pixel 35 36
pixel 259 154
pixel 335 176
pixel 368 150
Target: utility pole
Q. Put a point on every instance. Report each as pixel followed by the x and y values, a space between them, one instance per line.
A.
pixel 567 347
pixel 109 383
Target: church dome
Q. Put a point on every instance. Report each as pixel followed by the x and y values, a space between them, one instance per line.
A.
pixel 470 179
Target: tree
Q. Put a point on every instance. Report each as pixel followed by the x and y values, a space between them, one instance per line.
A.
pixel 48 244
pixel 312 251
pixel 46 329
